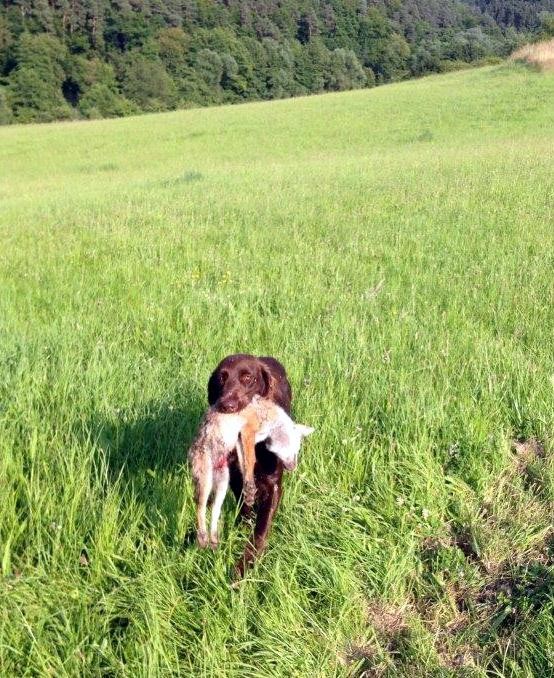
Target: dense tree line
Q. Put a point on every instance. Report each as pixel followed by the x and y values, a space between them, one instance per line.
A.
pixel 63 59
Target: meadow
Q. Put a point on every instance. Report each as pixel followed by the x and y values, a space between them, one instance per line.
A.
pixel 394 248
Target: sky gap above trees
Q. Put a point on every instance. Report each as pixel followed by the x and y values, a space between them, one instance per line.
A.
pixel 66 59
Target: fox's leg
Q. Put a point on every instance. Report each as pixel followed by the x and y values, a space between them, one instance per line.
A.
pixel 221 484
pixel 246 445
pixel 240 456
pixel 203 489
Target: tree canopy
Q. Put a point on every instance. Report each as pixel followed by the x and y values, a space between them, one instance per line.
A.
pixel 64 59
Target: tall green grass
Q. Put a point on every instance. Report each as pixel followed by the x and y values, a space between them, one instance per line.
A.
pixel 394 248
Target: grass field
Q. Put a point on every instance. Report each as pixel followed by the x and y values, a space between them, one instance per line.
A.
pixel 395 249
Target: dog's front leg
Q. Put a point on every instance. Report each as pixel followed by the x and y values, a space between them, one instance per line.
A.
pixel 269 496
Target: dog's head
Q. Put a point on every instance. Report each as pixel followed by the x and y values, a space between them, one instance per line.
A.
pixel 235 381
pixel 238 378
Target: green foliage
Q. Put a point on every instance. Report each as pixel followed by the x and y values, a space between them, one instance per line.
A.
pixel 547 24
pixel 384 51
pixel 36 82
pixel 173 49
pixel 344 71
pixel 6 43
pixel 86 72
pixel 101 101
pixel 394 61
pixel 178 53
pixel 311 65
pixel 6 114
pixel 126 29
pixel 146 83
pixel 471 45
pixel 209 65
pixel 279 69
pixel 373 33
pixel 425 59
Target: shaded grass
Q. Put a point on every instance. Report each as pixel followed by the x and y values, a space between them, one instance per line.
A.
pixel 394 248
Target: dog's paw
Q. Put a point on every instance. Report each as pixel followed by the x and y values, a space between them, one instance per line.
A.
pixel 202 539
pixel 214 542
pixel 249 493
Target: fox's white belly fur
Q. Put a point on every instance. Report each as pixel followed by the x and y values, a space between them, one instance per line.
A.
pixel 229 427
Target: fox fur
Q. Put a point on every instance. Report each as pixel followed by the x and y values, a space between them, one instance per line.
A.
pixel 219 433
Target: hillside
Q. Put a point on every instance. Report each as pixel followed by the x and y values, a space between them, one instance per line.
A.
pixel 67 60
pixel 393 247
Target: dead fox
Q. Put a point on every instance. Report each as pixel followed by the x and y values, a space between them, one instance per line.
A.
pixel 218 435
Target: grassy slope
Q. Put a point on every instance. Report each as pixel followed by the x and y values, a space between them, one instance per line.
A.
pixel 394 248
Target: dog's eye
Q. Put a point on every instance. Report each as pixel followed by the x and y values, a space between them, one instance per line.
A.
pixel 223 377
pixel 247 379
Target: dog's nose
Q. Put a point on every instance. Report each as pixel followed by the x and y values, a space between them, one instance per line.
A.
pixel 228 406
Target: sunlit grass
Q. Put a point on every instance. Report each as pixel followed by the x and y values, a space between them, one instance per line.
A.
pixel 394 249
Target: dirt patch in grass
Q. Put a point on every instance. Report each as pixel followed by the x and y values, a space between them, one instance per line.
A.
pixel 529 459
pixel 528 450
pixel 481 581
pixel 392 653
pixel 364 661
pixel 489 611
pixel 464 540
pixel 387 620
pixel 390 624
pixel 460 657
pixel 515 594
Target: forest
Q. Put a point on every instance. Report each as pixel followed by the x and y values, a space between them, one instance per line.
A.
pixel 70 59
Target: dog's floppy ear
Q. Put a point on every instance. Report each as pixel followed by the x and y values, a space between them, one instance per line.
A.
pixel 304 430
pixel 267 382
pixel 276 382
pixel 214 387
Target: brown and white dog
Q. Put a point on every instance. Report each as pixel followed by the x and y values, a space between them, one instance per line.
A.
pixel 232 385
